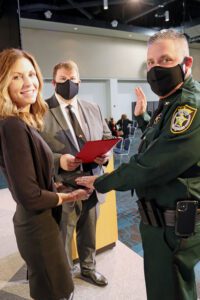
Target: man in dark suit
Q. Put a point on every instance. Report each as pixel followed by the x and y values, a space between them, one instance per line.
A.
pixel 68 124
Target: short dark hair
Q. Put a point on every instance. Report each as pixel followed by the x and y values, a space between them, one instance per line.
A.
pixel 69 65
pixel 167 34
pixel 173 35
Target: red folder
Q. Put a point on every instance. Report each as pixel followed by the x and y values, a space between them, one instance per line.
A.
pixel 93 149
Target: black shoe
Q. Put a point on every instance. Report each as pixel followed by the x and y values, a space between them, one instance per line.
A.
pixel 94 277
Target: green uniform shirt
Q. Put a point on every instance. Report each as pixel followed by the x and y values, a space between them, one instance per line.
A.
pixel 167 167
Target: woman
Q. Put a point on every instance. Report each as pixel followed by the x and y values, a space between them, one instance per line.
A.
pixel 124 124
pixel 27 164
pixel 113 128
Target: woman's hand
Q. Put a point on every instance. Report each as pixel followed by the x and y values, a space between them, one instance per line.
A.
pixel 141 102
pixel 87 181
pixel 79 194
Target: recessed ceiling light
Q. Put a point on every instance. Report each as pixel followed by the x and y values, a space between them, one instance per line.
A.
pixel 48 14
pixel 114 23
pixel 130 35
pixel 75 28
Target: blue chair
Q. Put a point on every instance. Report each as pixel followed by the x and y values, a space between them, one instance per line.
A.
pixel 118 147
pixel 124 150
pixel 132 132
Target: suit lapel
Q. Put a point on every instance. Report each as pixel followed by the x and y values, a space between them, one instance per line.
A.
pixel 88 118
pixel 58 115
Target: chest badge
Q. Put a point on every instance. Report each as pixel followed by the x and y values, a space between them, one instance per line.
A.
pixel 182 118
pixel 157 119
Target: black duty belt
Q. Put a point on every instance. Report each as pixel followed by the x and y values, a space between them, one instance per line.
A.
pixel 152 215
pixel 170 217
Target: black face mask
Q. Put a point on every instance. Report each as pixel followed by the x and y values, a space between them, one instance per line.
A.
pixel 164 80
pixel 67 89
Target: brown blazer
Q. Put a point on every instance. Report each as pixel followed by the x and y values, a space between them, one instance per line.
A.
pixel 27 164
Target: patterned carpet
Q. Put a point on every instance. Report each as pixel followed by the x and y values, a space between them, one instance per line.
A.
pixel 128 221
pixel 128 216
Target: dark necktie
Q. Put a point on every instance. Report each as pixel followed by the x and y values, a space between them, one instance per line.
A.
pixel 76 127
pixel 80 137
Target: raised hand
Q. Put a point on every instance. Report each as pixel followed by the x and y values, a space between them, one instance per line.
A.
pixel 141 102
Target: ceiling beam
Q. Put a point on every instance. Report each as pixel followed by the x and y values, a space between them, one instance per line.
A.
pixel 82 10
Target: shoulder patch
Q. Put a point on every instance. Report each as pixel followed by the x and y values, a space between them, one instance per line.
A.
pixel 182 118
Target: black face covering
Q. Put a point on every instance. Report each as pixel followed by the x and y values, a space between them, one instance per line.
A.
pixel 67 89
pixel 164 80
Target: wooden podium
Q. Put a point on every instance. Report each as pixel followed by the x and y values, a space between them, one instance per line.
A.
pixel 107 231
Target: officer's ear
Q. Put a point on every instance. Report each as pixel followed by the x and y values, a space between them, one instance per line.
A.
pixel 53 82
pixel 188 61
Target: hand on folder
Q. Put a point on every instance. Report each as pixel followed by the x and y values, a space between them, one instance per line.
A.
pixel 87 181
pixel 98 149
pixel 69 162
pixel 101 160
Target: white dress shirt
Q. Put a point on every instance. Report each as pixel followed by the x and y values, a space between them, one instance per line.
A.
pixel 63 106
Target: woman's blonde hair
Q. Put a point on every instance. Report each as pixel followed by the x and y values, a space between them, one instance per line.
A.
pixel 34 118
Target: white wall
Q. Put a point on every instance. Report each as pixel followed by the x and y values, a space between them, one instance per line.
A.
pixel 94 91
pixel 196 63
pixel 113 96
pixel 126 96
pixel 96 56
pixel 110 67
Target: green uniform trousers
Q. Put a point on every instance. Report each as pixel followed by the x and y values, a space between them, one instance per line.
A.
pixel 172 277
